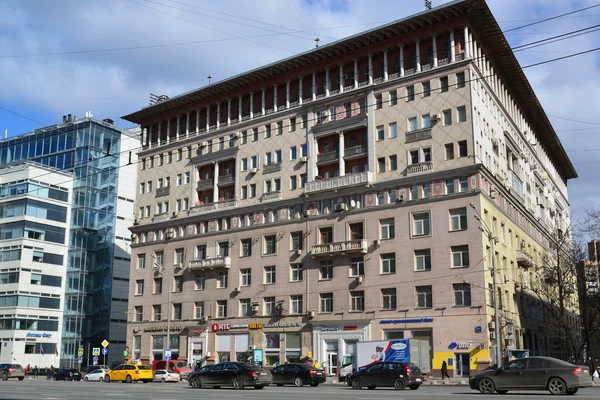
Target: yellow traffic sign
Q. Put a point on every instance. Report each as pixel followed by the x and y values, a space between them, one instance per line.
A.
pixel 104 343
pixel 80 351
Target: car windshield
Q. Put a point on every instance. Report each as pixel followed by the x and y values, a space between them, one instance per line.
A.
pixel 171 372
pixel 250 367
pixel 143 367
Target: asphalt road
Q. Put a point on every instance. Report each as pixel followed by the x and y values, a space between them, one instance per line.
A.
pixel 41 389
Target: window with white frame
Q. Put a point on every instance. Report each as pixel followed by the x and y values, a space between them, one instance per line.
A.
pixel 198 309
pixel 447 116
pixel 246 277
pixel 270 275
pixel 393 98
pixel 463 150
pixel 357 300
pixel 139 313
pixel 388 299
pixel 388 263
pixel 426 190
pixel 296 273
pixel 424 297
pixel 222 280
pixel 269 305
pixel 423 260
pixel 393 130
pixel 179 179
pixel 458 219
pixel 378 101
pixel 179 256
pixel 421 224
pixel 381 164
pixel 293 153
pixel 200 282
pixel 449 186
pixel 357 266
pixel 387 228
pixel 414 192
pixel 186 178
pixel 462 113
pixel 426 89
pixel 393 162
pixel 157 286
pixel 380 133
pixel 270 243
pixel 156 312
pixel 326 302
pixel 296 304
pixel 460 256
pixel 141 264
pixel 326 270
pixel 245 308
pixel 297 240
pixel 462 294
pixel 413 124
pixel 244 166
pixel 221 308
pixel 410 93
pixel 426 121
pixel 139 287
pixel 463 184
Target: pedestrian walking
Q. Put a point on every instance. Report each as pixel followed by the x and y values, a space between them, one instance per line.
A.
pixel 27 370
pixel 35 371
pixel 445 370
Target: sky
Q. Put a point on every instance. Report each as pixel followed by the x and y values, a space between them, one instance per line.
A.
pixel 106 56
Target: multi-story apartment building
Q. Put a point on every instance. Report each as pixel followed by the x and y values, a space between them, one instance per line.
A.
pixel 97 276
pixel 326 199
pixel 35 211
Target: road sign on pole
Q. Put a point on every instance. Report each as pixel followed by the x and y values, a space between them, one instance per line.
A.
pixel 80 351
pixel 79 359
pixel 105 351
pixel 167 355
pixel 95 359
pixel 96 351
pixel 104 343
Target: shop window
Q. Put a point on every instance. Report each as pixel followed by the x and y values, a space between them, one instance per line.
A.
pixel 272 341
pixel 223 348
pixel 242 346
pixel 293 347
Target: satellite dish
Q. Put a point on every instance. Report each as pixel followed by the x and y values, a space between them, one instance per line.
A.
pixel 353 203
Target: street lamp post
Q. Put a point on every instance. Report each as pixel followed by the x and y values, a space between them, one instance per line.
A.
pixel 492 239
pixel 161 270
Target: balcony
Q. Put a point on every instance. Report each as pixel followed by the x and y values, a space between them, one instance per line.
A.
pixel 210 263
pixel 460 56
pixel 524 259
pixel 339 182
pixel 226 179
pixel 204 184
pixel 340 248
pixel 273 167
pixel 355 151
pixel 270 196
pixel 213 206
pixel 328 157
pixel 410 71
pixel 160 217
pixel 419 134
pixel 517 185
pixel 163 191
pixel 419 168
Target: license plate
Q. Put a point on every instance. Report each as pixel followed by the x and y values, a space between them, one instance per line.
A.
pixel 418 379
pixel 263 373
pixel 319 373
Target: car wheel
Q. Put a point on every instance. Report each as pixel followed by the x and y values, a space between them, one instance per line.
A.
pixel 372 387
pixel 21 378
pixel 356 384
pixel 195 383
pixel 501 391
pixel 107 379
pixel 238 383
pixel 557 386
pixel 86 379
pixel 486 386
pixel 128 379
pixel 572 391
pixel 101 379
pixel 5 376
pixel 280 384
pixel 314 384
pixel 54 378
pixel 258 387
pixel 298 382
pixel 163 380
pixel 414 387
pixel 399 384
pixel 216 387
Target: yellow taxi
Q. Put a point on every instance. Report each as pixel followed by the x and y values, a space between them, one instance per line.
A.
pixel 129 373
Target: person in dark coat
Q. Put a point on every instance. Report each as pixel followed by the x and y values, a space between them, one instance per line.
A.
pixel 445 370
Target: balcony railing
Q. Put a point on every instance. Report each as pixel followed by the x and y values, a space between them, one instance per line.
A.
pixel 339 182
pixel 276 195
pixel 346 247
pixel 273 167
pixel 419 134
pixel 204 184
pixel 419 168
pixel 460 57
pixel 213 206
pixel 524 259
pixel 365 83
pixel 410 71
pixel 163 191
pixel 443 61
pixel 160 217
pixel 427 67
pixel 328 157
pixel 226 179
pixel 355 150
pixel 210 263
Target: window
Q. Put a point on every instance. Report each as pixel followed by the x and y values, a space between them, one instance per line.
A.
pixel 278 158
pixel 200 282
pixel 179 256
pixel 388 299
pixel 387 228
pixel 413 124
pixel 297 240
pixel 157 289
pixel 424 297
pixel 423 260
pixel 244 193
pixel 462 113
pixel 269 305
pixel 177 284
pixel 460 256
pixel 447 115
pixel 380 133
pixel 159 257
pixel 393 163
pixel 246 247
pixel 296 302
pixel 221 308
pixel 326 302
pixel 267 131
pixel 414 192
pixel 245 308
pixel 462 294
pixel 393 130
pixel 222 279
pixel 326 270
pixel 292 124
pixel 252 190
pixel 293 153
pixel 325 235
pixel 156 313
pixel 142 188
pixel 244 166
pixel 246 275
pixel 270 244
pixel 410 93
pixel 253 161
pixel 179 179
pixel 139 314
pixel 177 311
pixel 449 151
pixel 141 264
pixel 388 263
pixel 270 275
pixel 381 164
pixel 357 300
pixel 139 287
pixel 280 127
pixel 426 89
pixel 198 309
pixel 297 273
pixel 462 148
pixel 460 80
pixel 458 219
pixel 357 267
pixel 444 84
pixel 393 98
pixel 421 224
pixel 426 190
pixel 378 101
pixel 463 184
pixel 450 186
pixel 223 249
pixel 426 119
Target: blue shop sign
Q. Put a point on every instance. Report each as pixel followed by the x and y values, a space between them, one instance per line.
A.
pixel 39 335
pixel 405 321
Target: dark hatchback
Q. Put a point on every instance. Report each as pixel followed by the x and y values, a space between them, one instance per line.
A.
pixel 235 374
pixel 533 373
pixel 297 375
pixel 67 375
pixel 387 374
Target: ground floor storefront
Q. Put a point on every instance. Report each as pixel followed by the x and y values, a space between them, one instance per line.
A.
pixel 30 348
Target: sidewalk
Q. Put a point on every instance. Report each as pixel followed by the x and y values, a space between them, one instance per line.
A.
pixel 432 381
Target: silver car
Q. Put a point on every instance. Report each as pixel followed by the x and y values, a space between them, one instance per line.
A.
pixel 14 371
pixel 96 375
pixel 162 375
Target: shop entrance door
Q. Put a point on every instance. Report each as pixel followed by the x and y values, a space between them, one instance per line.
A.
pixel 463 364
pixel 332 357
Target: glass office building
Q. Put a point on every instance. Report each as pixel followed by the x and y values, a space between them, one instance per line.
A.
pixel 90 149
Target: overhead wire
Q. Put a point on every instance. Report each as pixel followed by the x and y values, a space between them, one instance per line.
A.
pixel 282 24
pixel 553 18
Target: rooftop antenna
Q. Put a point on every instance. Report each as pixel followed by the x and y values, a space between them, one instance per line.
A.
pixel 317 40
pixel 5 133
pixel 428 4
pixel 209 78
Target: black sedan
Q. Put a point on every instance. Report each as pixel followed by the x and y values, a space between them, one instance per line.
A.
pixel 66 374
pixel 388 374
pixel 297 375
pixel 533 373
pixel 238 375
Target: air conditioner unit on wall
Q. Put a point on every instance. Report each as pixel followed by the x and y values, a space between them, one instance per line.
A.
pixel 340 207
pixel 303 159
pixel 253 170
